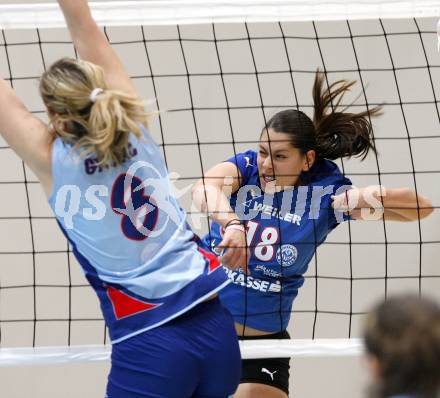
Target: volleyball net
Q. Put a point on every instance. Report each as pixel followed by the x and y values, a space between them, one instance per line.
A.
pixel 216 71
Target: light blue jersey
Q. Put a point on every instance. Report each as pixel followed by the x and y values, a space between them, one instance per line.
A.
pixel 131 238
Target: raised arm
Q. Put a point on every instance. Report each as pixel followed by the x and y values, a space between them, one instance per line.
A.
pixel 27 135
pixel 92 45
pixel 211 194
pixel 399 204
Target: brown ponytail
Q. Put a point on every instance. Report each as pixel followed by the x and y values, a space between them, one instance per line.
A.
pixel 340 134
pixel 333 133
pixel 101 126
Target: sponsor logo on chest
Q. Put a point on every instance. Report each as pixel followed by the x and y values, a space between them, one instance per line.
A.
pixel 268 211
pixel 239 278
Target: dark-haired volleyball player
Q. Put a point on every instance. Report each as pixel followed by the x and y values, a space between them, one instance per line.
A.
pixel 107 184
pixel 283 202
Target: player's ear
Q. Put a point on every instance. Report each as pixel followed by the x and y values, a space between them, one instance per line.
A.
pixel 309 159
pixel 55 122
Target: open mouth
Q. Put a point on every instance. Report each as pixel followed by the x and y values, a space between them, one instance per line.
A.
pixel 268 178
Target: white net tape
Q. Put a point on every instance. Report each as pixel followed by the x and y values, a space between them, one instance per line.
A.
pixel 125 13
pixel 249 349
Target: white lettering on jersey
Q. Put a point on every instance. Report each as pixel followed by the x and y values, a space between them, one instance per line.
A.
pixel 250 282
pixel 267 271
pixel 274 212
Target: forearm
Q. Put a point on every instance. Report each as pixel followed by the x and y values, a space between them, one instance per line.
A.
pixel 27 135
pixel 88 39
pixel 406 204
pixel 375 202
pixel 211 199
pixel 10 105
pixel 92 45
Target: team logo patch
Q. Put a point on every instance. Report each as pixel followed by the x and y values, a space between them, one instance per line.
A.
pixel 254 193
pixel 287 255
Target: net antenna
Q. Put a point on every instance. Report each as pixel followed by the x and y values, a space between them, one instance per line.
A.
pixel 210 52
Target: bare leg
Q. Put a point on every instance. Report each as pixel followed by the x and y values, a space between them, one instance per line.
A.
pixel 255 390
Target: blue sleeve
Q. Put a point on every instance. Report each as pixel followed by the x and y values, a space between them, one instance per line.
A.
pixel 343 184
pixel 326 174
pixel 246 163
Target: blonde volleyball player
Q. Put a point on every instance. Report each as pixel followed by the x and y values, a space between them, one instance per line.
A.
pixel 108 187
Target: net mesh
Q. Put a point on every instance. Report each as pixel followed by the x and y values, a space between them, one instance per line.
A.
pixel 215 85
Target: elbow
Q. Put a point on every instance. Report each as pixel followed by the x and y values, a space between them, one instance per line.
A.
pixel 198 194
pixel 418 206
pixel 425 208
pixel 197 188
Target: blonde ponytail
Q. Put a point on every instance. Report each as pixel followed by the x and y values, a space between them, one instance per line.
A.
pixel 99 125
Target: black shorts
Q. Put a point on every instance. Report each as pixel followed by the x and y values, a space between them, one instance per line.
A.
pixel 269 371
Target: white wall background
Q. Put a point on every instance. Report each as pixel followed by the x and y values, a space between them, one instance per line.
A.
pixel 404 258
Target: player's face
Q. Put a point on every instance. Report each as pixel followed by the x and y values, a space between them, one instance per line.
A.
pixel 279 163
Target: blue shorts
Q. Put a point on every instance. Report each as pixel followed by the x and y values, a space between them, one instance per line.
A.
pixel 193 356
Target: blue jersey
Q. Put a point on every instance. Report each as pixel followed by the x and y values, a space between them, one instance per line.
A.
pixel 131 237
pixel 194 355
pixel 283 231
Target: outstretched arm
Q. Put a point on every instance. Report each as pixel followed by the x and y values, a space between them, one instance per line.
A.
pixel 400 204
pixel 92 45
pixel 210 195
pixel 27 135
